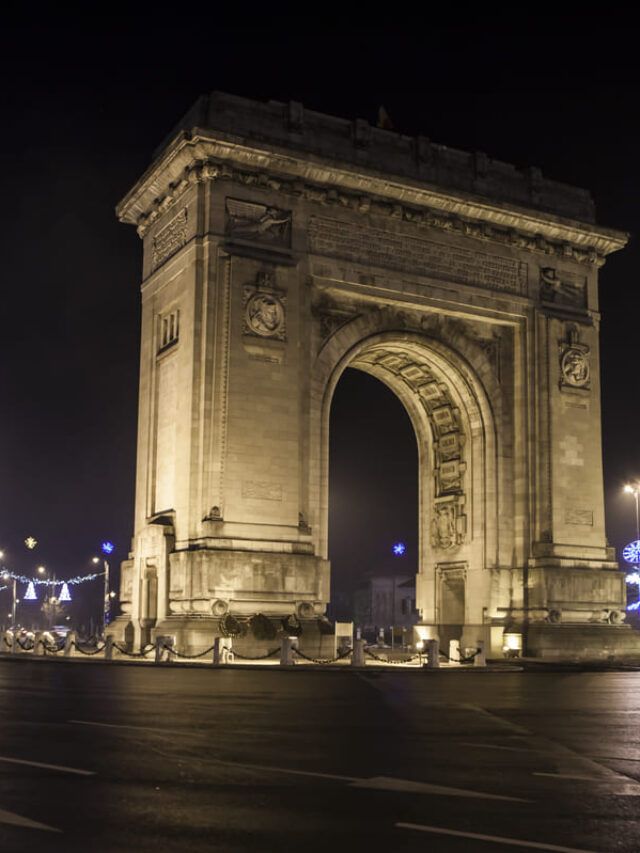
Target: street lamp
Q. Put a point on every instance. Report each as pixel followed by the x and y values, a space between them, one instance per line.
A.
pixel 634 489
pixel 106 548
pixel 7 577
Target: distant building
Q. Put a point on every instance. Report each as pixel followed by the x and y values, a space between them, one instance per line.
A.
pixel 385 600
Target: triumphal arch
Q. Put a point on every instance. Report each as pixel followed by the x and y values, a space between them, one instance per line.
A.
pixel 282 246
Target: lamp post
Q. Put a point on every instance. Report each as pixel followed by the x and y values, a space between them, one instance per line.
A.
pixel 634 489
pixel 7 577
pixel 106 548
pixel 51 598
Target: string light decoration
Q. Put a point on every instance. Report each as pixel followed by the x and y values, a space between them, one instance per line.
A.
pixel 47 582
pixel 65 595
pixel 30 594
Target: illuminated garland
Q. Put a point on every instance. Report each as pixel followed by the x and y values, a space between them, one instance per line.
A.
pixel 47 582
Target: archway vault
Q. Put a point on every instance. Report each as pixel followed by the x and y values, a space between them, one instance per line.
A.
pixel 453 412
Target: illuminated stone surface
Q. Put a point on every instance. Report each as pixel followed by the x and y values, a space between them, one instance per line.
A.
pixel 282 246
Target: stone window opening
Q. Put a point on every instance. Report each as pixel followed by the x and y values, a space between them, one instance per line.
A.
pixel 169 329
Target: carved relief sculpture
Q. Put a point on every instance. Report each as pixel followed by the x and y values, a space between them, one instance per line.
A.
pixel 258 223
pixel 444 526
pixel 575 369
pixel 567 290
pixel 264 309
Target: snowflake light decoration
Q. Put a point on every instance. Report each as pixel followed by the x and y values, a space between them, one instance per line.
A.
pixel 631 552
pixel 30 542
pixel 399 548
pixel 108 547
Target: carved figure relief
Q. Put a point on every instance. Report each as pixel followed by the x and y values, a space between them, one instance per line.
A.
pixel 563 290
pixel 258 223
pixel 444 526
pixel 264 309
pixel 575 369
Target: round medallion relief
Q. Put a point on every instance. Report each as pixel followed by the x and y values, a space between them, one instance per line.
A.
pixel 264 314
pixel 575 368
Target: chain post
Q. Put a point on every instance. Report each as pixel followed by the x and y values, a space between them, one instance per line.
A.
pixel 38 645
pixel 159 649
pixel 286 652
pixel 433 653
pixel 108 647
pixel 454 652
pixel 69 640
pixel 357 658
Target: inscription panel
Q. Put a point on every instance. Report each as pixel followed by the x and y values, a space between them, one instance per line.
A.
pixel 382 248
pixel 262 491
pixel 169 239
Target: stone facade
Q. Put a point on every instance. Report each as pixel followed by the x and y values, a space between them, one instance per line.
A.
pixel 282 246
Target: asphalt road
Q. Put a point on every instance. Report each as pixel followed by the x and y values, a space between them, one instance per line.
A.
pixel 166 759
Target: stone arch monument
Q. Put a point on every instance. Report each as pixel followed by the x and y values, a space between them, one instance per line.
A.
pixel 282 246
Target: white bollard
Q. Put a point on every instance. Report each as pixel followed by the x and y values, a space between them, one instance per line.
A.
pixel 433 653
pixel 481 656
pixel 14 642
pixel 222 650
pixel 357 657
pixel 454 652
pixel 286 652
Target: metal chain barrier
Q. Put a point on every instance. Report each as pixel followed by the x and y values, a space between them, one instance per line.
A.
pixel 52 648
pixel 371 654
pixel 322 660
pixel 178 654
pixel 140 654
pixel 469 659
pixel 82 651
pixel 253 657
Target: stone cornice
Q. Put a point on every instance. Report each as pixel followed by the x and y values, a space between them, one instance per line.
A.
pixel 199 156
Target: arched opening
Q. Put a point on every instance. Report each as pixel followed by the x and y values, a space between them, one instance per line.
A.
pixel 439 379
pixel 373 508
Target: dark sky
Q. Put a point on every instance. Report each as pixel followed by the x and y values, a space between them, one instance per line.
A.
pixel 84 103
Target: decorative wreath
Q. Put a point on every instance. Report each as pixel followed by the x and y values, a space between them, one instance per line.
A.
pixel 262 627
pixel 292 626
pixel 232 627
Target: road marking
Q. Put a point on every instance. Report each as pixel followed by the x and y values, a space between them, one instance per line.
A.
pixel 497 746
pixel 17 820
pixel 386 783
pixel 571 776
pixel 59 767
pixel 376 782
pixel 496 839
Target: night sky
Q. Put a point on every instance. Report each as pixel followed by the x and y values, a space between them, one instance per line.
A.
pixel 85 102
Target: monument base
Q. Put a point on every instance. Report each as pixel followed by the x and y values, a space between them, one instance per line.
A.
pixel 582 642
pixel 192 635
